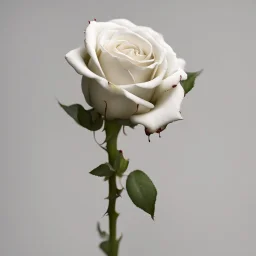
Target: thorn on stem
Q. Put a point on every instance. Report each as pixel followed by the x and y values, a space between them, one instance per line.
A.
pixel 105 214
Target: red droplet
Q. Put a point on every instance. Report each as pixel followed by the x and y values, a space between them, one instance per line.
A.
pixel 147 132
pixel 174 86
pixel 94 19
pixel 89 21
pixel 160 130
pixel 120 151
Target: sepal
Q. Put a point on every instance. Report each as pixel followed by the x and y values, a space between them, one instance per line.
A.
pixel 88 119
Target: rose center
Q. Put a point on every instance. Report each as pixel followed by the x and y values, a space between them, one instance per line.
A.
pixel 130 49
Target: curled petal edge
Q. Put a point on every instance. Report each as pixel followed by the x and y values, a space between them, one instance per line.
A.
pixel 167 110
pixel 76 58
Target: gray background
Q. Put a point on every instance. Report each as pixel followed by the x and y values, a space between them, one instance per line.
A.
pixel 203 167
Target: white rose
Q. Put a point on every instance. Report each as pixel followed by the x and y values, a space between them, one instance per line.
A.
pixel 130 72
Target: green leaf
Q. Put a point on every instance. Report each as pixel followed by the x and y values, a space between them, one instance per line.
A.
pixel 142 191
pixel 120 164
pixel 190 82
pixel 104 246
pixel 103 170
pixel 124 163
pixel 88 119
pixel 102 233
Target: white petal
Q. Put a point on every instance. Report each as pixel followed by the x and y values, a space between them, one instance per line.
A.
pixel 157 79
pixel 91 35
pixel 171 59
pixel 137 100
pixel 167 110
pixel 169 82
pixel 77 59
pixel 142 93
pixel 140 34
pixel 115 105
pixel 91 41
pixel 139 74
pixel 158 48
pixel 181 63
pixel 173 63
pixel 135 39
pixel 169 53
pixel 123 70
pixel 119 51
pixel 86 90
pixel 109 41
pixel 157 36
pixel 123 22
pixel 113 69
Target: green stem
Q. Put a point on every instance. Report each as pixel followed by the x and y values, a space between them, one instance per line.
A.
pixel 112 130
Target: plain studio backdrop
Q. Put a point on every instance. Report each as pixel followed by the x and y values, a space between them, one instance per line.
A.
pixel 203 166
